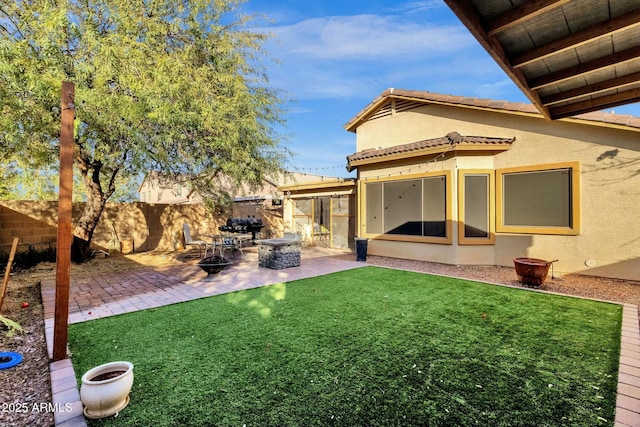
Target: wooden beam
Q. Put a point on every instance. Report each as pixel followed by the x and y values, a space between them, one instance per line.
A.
pixel 618 58
pixel 601 103
pixel 63 252
pixel 591 89
pixel 526 11
pixel 7 272
pixel 469 17
pixel 582 37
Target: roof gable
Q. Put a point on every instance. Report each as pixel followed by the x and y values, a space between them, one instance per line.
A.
pixel 393 101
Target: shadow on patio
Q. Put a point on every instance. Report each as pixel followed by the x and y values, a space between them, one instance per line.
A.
pixel 103 294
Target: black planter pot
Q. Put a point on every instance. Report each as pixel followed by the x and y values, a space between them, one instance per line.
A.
pixel 361 248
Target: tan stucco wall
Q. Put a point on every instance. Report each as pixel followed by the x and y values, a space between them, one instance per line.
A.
pixel 609 190
pixel 151 226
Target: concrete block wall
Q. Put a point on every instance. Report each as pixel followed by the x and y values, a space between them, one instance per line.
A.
pixel 30 230
pixel 148 226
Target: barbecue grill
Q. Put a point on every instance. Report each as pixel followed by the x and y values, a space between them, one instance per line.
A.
pixel 251 225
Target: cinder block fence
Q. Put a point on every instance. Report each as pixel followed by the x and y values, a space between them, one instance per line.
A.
pixel 145 226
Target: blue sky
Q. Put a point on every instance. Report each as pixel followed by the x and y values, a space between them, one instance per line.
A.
pixel 336 56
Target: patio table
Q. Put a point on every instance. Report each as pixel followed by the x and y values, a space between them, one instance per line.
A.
pixel 228 241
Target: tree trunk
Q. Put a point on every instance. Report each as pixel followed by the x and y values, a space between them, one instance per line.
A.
pixel 80 250
pixel 83 232
pixel 96 200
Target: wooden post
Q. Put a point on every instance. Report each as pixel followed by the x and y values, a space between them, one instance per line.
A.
pixel 7 272
pixel 63 252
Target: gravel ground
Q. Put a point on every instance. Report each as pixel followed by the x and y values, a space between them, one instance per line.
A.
pixel 26 389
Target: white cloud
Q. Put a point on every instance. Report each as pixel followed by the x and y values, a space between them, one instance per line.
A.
pixel 418 6
pixel 497 89
pixel 330 157
pixel 368 37
pixel 298 110
pixel 345 56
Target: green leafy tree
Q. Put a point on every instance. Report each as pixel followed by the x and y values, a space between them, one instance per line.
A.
pixel 17 183
pixel 8 179
pixel 20 183
pixel 170 85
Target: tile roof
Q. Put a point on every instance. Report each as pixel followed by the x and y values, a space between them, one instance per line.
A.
pixel 451 141
pixel 482 103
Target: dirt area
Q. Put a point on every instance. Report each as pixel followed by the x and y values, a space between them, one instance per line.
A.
pixel 26 386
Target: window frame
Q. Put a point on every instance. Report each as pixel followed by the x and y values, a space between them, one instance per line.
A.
pixel 491 207
pixel 448 239
pixel 575 186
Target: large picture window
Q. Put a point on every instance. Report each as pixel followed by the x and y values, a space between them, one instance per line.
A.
pixel 412 207
pixel 542 200
pixel 402 203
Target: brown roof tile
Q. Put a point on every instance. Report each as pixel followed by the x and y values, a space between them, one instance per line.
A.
pixel 443 142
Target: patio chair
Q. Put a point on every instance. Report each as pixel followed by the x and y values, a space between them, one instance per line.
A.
pixel 189 241
pixel 230 243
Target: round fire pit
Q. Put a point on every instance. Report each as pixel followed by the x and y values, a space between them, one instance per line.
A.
pixel 532 271
pixel 213 264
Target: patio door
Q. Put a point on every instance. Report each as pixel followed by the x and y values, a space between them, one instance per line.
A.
pixel 303 218
pixel 322 221
pixel 325 221
pixel 342 222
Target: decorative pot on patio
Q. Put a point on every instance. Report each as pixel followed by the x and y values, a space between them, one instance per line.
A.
pixel 532 271
pixel 105 389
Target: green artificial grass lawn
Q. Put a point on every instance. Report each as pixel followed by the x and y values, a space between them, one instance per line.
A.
pixel 366 347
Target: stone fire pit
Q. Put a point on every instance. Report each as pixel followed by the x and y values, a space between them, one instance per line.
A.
pixel 279 253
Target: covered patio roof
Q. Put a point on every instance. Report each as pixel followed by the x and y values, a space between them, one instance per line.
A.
pixel 328 186
pixel 568 56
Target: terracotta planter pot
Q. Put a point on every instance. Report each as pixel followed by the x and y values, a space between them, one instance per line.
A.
pixel 105 389
pixel 532 271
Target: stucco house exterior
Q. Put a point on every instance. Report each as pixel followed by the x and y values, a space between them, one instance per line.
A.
pixel 156 188
pixel 463 180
